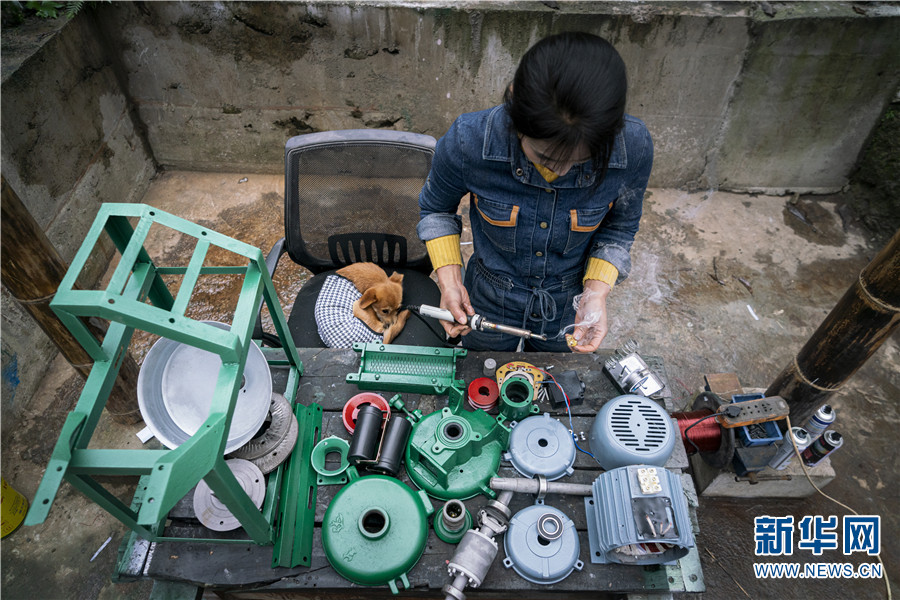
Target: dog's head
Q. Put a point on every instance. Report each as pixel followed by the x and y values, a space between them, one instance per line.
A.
pixel 383 299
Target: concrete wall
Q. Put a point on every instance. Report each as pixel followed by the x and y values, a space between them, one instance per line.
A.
pixel 735 98
pixel 69 143
pixel 810 92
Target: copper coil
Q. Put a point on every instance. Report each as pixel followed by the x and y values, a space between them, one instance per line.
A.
pixel 706 434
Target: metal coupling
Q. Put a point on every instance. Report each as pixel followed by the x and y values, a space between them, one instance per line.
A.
pixel 495 515
pixel 477 549
pixel 453 515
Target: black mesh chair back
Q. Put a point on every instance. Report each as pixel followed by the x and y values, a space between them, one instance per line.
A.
pixel 352 196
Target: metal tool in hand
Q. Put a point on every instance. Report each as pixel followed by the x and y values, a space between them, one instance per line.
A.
pixel 476 322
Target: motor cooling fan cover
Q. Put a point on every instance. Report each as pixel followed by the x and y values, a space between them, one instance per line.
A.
pixel 631 430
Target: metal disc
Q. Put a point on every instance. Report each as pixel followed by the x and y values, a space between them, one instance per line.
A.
pixel 212 512
pixel 176 385
pixel 279 452
pixel 279 425
pixel 541 445
pixel 537 557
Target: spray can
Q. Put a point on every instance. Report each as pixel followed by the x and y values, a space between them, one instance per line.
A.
pixel 819 421
pixel 785 452
pixel 827 443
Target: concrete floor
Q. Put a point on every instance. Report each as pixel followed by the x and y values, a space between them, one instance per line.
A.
pixel 795 273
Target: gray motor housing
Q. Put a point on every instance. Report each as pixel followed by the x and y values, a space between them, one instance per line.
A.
pixel 632 430
pixel 638 515
pixel 541 445
pixel 540 559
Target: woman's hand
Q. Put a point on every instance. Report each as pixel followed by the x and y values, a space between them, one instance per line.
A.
pixel 455 298
pixel 590 320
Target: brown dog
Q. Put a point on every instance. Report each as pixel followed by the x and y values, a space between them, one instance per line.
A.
pixel 379 305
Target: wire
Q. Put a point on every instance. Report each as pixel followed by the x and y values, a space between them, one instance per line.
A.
pixel 414 309
pixel 790 440
pixel 685 433
pixel 271 339
pixel 568 411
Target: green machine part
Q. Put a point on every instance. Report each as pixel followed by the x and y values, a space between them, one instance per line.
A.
pixel 416 369
pixel 517 399
pixel 452 453
pixel 137 297
pixel 298 487
pixel 375 530
pixel 453 521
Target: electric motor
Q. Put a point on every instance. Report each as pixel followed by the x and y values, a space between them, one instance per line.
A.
pixel 638 515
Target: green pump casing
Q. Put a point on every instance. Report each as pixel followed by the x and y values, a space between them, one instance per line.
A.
pixel 375 530
pixel 453 453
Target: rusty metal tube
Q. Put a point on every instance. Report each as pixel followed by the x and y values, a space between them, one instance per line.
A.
pixel 867 314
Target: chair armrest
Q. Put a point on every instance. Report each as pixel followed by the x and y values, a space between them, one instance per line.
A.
pixel 273 256
pixel 271 264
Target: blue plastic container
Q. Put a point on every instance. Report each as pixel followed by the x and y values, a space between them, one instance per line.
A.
pixel 773 432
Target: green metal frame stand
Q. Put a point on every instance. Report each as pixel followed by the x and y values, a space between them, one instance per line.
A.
pixel 137 298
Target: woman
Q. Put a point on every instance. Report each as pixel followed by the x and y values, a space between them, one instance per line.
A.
pixel 556 177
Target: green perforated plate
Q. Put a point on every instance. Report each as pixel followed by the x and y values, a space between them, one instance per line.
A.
pixel 416 369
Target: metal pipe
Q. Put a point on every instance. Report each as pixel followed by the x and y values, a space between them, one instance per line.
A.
pixel 505 497
pixel 862 320
pixel 520 485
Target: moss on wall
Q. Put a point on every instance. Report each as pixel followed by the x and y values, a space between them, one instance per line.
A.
pixel 874 193
pixel 810 90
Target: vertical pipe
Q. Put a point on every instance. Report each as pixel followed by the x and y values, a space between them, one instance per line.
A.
pixel 32 269
pixel 862 320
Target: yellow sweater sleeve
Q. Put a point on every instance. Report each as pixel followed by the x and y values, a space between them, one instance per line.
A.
pixel 601 270
pixel 444 251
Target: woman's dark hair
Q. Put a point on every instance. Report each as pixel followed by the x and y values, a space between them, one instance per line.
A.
pixel 569 89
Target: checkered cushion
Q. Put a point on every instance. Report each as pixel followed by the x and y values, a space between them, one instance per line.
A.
pixel 338 328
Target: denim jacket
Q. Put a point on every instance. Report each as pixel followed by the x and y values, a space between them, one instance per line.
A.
pixel 535 233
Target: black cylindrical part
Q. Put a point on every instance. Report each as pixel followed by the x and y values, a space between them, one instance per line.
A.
pixel 396 434
pixel 364 443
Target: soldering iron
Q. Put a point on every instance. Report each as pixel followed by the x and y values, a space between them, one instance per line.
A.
pixel 476 322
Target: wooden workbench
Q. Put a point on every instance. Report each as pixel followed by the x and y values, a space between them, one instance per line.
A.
pixel 244 571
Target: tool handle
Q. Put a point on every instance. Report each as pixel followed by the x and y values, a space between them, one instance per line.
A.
pixel 436 313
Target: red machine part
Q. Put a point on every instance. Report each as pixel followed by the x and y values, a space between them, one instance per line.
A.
pixel 351 409
pixel 484 393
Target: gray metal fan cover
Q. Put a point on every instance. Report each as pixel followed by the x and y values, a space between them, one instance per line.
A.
pixel 632 430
